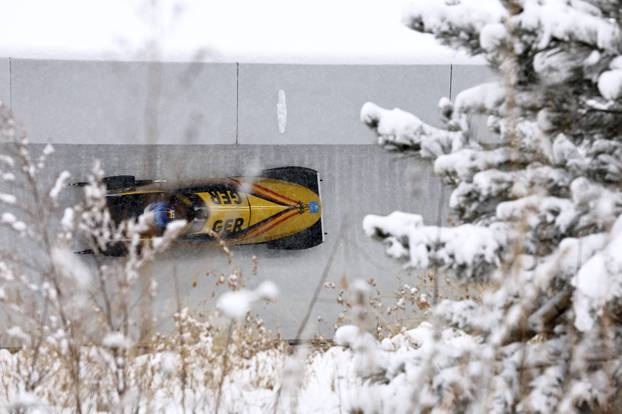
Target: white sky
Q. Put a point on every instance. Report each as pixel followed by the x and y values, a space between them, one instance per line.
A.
pixel 286 31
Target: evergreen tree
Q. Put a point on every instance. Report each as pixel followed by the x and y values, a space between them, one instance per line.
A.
pixel 536 214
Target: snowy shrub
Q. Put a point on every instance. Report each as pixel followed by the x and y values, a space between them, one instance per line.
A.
pixel 82 325
pixel 537 213
pixel 57 301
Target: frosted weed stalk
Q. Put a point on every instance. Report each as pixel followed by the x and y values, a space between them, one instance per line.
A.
pixel 389 315
pixel 56 303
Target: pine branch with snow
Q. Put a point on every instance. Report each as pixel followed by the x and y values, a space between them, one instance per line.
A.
pixel 537 213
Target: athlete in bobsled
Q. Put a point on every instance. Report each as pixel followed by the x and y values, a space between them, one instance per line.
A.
pixel 159 215
pixel 281 207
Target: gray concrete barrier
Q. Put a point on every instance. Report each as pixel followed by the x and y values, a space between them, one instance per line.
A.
pixel 323 102
pixel 357 180
pixel 79 102
pixel 5 81
pixel 467 76
pixel 464 77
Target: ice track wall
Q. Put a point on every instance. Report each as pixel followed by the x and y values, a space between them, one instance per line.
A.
pixel 180 121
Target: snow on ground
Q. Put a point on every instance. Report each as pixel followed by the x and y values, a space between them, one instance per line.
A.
pixel 360 375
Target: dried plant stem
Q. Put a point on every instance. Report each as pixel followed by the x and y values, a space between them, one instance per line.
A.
pixel 318 286
pixel 181 341
pixel 224 367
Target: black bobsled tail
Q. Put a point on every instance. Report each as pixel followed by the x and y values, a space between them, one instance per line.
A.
pixel 114 182
pixel 306 177
pixel 310 179
pixel 119 182
pixel 306 239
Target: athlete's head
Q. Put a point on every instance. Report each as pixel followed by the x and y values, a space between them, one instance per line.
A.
pixel 162 213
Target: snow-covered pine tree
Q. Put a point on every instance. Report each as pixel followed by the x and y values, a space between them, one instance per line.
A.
pixel 537 214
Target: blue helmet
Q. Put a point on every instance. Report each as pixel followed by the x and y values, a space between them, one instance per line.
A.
pixel 162 212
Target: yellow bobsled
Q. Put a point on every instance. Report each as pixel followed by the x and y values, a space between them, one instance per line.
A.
pixel 280 207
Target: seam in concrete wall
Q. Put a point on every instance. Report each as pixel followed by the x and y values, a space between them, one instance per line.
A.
pixel 451 81
pixel 10 85
pixel 237 99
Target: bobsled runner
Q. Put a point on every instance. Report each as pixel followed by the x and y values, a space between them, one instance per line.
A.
pixel 281 207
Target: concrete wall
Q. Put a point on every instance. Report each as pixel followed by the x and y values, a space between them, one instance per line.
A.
pixel 125 103
pixel 463 77
pixel 323 102
pixel 104 103
pixel 78 102
pixel 5 81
